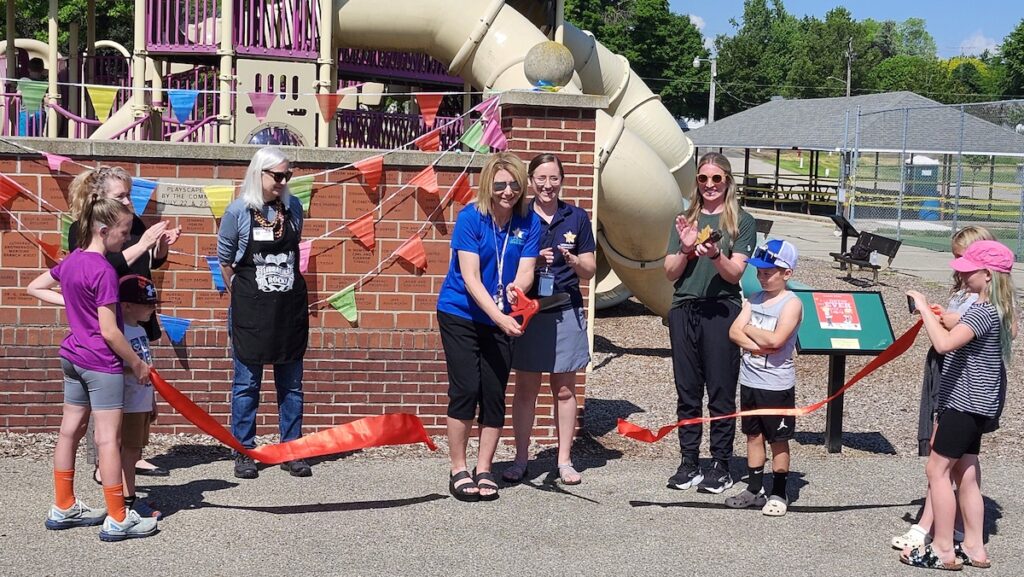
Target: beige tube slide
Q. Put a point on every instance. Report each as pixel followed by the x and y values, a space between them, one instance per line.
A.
pixel 645 161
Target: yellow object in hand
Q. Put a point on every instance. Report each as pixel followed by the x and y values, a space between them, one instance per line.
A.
pixel 704 234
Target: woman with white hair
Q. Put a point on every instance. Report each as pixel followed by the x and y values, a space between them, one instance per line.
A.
pixel 258 248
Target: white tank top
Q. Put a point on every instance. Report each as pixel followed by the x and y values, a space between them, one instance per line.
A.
pixel 776 371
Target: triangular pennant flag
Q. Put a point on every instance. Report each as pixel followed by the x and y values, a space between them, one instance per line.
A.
pixel 363 228
pixel 328 104
pixel 142 191
pixel 51 251
pixel 32 92
pixel 494 137
pixel 426 180
pixel 344 301
pixel 219 197
pixel 473 138
pixel 429 142
pixel 302 189
pixel 429 103
pixel 218 277
pixel 102 98
pixel 65 230
pixel 486 105
pixel 489 109
pixel 304 248
pixel 461 192
pixel 174 327
pixel 261 103
pixel 55 161
pixel 413 251
pixel 371 169
pixel 182 102
pixel 8 189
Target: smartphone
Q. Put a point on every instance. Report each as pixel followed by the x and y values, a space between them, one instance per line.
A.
pixel 911 305
pixel 715 236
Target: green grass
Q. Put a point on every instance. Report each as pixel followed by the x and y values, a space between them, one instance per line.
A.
pixel 939 241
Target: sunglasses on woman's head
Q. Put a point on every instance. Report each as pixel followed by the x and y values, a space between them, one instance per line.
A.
pixel 280 177
pixel 715 178
pixel 501 186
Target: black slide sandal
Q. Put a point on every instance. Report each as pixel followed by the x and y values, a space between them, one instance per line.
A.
pixel 461 492
pixel 489 477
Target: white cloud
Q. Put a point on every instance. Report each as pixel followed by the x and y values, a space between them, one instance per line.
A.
pixel 977 43
pixel 697 21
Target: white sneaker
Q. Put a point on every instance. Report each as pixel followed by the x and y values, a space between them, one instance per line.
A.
pixel 133 527
pixel 77 515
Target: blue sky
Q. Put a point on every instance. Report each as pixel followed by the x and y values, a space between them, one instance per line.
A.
pixel 957 27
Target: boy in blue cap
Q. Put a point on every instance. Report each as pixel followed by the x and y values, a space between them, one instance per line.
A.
pixel 765 331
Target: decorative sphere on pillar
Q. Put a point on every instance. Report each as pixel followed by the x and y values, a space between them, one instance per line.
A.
pixel 548 64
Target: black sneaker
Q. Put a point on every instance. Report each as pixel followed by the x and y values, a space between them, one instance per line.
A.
pixel 297 468
pixel 687 476
pixel 717 480
pixel 245 467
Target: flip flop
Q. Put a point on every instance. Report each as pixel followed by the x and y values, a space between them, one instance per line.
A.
pixel 516 473
pixel 492 483
pixel 926 558
pixel 461 492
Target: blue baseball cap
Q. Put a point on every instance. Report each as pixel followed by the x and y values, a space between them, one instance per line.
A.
pixel 775 253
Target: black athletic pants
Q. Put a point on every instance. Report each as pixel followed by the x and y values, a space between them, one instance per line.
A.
pixel 479 360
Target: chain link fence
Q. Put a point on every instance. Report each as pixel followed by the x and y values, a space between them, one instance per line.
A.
pixel 952 166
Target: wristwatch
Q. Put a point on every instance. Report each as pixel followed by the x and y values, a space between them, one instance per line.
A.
pixel 717 254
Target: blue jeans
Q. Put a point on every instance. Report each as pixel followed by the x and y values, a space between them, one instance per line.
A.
pixel 245 399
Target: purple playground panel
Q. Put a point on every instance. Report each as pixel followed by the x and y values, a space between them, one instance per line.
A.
pixel 371 129
pixel 397 65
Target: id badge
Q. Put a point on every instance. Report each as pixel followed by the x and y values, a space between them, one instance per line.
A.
pixel 263 233
pixel 499 298
pixel 545 284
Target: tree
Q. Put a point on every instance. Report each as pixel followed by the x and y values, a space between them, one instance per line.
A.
pixel 1012 53
pixel 915 39
pixel 924 76
pixel 113 21
pixel 822 52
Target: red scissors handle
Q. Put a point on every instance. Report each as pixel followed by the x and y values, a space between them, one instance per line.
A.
pixel 525 307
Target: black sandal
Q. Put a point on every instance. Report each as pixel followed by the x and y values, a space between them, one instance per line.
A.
pixel 493 483
pixel 461 492
pixel 926 558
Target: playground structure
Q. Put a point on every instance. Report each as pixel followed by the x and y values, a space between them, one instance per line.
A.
pixel 227 48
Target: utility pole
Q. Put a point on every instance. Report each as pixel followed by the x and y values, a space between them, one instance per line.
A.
pixel 849 64
pixel 711 88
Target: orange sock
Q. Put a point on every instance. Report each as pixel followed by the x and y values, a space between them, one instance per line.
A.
pixel 114 496
pixel 64 487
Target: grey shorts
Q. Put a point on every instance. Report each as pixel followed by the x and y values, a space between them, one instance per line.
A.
pixel 554 342
pixel 88 388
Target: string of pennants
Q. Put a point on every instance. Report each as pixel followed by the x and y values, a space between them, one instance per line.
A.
pixel 484 134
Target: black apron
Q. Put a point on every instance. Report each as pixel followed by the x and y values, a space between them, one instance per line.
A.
pixel 269 310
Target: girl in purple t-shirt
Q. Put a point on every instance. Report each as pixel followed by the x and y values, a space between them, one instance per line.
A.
pixel 94 357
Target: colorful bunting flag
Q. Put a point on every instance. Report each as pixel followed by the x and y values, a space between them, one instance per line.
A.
pixel 426 180
pixel 371 169
pixel 218 277
pixel 493 136
pixel 8 189
pixel 486 106
pixel 328 104
pixel 261 103
pixel 429 142
pixel 302 189
pixel 414 252
pixel 344 301
pixel 182 102
pixel 219 197
pixel 429 103
pixel 51 251
pixel 102 98
pixel 65 231
pixel 461 192
pixel 174 327
pixel 304 248
pixel 32 92
pixel 142 191
pixel 55 161
pixel 473 138
pixel 363 228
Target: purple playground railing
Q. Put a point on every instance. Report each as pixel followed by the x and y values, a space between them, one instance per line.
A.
pixel 370 129
pixel 18 122
pixel 188 26
pixel 404 65
pixel 201 125
pixel 281 29
pixel 82 127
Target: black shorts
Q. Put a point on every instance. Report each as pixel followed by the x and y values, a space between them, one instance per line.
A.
pixel 959 433
pixel 774 428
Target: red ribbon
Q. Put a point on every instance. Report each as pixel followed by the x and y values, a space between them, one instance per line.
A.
pixel 391 429
pixel 900 346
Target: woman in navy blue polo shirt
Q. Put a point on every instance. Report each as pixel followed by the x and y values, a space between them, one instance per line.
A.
pixel 556 341
pixel 494 247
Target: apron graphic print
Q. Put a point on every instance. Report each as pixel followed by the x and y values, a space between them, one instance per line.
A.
pixel 275 272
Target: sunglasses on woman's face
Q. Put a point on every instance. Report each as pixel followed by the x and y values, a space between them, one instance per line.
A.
pixel 280 177
pixel 715 178
pixel 501 186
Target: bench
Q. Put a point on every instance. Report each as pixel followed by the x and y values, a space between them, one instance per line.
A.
pixel 764 226
pixel 847 232
pixel 866 244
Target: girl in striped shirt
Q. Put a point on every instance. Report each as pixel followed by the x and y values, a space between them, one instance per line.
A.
pixel 971 395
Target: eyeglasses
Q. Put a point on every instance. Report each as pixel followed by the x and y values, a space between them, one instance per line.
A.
pixel 501 186
pixel 280 177
pixel 762 253
pixel 715 178
pixel 552 180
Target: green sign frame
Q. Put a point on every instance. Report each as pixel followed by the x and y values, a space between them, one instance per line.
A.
pixel 843 323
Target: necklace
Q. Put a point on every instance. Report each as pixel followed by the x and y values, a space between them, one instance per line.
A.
pixel 278 225
pixel 499 295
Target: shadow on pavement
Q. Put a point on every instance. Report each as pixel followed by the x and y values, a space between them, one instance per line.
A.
pixel 792 508
pixel 869 442
pixel 613 351
pixel 170 499
pixel 333 507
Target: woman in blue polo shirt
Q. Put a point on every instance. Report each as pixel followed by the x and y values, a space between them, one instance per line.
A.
pixel 494 247
pixel 556 341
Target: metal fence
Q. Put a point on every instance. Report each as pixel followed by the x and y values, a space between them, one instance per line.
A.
pixel 952 166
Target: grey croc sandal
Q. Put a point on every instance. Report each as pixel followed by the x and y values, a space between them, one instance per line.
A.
pixel 746 499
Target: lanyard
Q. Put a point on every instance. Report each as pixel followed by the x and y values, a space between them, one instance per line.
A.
pixel 499 295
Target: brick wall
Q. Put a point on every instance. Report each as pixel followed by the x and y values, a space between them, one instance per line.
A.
pixel 391 362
